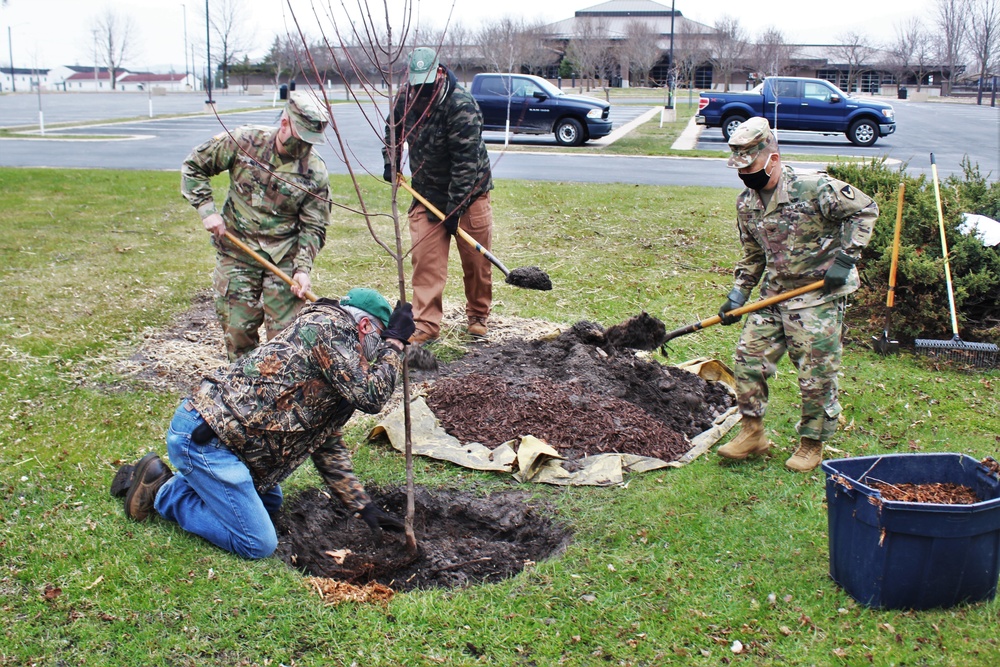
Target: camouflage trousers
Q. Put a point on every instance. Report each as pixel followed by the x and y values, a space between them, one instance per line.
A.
pixel 812 338
pixel 248 295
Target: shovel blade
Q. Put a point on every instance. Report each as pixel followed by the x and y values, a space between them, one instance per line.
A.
pixel 884 346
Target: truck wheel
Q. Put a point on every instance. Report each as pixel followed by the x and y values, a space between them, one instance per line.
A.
pixel 863 133
pixel 569 132
pixel 730 124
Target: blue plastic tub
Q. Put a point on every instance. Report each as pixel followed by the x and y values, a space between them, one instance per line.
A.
pixel 894 555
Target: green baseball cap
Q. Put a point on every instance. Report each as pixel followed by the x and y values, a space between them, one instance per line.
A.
pixel 423 64
pixel 370 301
pixel 307 116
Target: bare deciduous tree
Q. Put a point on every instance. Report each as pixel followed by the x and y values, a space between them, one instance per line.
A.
pixel 691 49
pixel 984 39
pixel 951 20
pixel 729 47
pixel 857 51
pixel 771 54
pixel 509 44
pixel 639 51
pixel 589 47
pixel 116 36
pixel 227 19
pixel 910 52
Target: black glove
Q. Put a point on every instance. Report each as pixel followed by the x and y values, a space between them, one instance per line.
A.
pixel 838 273
pixel 401 325
pixel 377 520
pixel 387 173
pixel 733 301
pixel 451 222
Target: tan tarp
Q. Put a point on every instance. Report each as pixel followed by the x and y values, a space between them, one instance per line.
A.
pixel 532 460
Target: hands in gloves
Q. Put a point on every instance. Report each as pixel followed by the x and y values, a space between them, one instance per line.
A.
pixel 401 325
pixel 733 301
pixel 451 222
pixel 387 173
pixel 377 520
pixel 838 273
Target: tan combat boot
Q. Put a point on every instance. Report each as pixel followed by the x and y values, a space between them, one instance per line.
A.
pixel 807 456
pixel 750 440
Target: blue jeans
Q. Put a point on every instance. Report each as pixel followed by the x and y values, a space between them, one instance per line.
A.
pixel 213 495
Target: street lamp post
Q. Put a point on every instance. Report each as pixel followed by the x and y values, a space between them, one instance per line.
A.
pixel 10 46
pixel 208 55
pixel 672 69
pixel 184 7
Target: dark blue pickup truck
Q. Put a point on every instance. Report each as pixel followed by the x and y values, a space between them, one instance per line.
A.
pixel 795 103
pixel 535 106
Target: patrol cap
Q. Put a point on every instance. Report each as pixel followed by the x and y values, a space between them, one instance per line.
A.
pixel 307 116
pixel 370 301
pixel 748 141
pixel 423 63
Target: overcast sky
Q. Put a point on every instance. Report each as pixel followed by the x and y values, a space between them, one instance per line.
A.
pixel 46 33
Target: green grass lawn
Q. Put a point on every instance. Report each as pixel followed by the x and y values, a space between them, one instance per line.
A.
pixel 672 568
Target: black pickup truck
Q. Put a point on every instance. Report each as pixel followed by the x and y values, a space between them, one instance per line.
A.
pixel 800 104
pixel 527 104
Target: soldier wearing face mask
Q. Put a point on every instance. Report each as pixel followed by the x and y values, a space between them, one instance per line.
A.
pixel 252 424
pixel 795 228
pixel 278 204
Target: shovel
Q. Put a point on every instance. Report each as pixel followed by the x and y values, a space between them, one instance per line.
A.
pixel 883 345
pixel 742 310
pixel 268 265
pixel 416 355
pixel 530 277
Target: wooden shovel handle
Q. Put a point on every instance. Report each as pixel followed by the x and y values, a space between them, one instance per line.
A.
pixel 271 267
pixel 890 298
pixel 461 232
pixel 743 310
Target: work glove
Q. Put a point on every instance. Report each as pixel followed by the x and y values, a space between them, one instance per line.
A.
pixel 733 301
pixel 387 173
pixel 401 325
pixel 377 519
pixel 451 222
pixel 838 273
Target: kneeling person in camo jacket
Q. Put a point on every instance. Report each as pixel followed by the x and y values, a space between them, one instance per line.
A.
pixel 249 426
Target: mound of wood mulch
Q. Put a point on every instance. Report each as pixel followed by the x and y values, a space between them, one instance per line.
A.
pixel 570 392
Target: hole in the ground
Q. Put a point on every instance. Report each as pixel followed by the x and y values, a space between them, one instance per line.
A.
pixel 464 538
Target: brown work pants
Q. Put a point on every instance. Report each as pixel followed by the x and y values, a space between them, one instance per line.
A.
pixel 431 244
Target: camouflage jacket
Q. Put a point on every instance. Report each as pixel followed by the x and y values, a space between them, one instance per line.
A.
pixel 288 399
pixel 448 159
pixel 794 239
pixel 276 205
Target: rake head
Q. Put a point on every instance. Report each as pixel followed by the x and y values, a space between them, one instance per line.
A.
pixel 958 351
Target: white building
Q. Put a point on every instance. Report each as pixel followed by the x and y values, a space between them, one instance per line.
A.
pixel 22 79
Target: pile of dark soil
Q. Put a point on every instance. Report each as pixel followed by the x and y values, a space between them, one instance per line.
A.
pixel 575 394
pixel 462 538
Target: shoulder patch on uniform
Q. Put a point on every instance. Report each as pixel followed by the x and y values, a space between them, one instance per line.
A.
pixel 847 191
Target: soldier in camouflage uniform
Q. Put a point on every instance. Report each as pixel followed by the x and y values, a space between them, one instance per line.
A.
pixel 795 228
pixel 278 204
pixel 249 426
pixel 450 166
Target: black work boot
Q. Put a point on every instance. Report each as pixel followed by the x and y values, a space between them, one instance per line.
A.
pixel 123 480
pixel 150 474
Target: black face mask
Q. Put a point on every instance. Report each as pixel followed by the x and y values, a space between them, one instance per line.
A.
pixel 755 180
